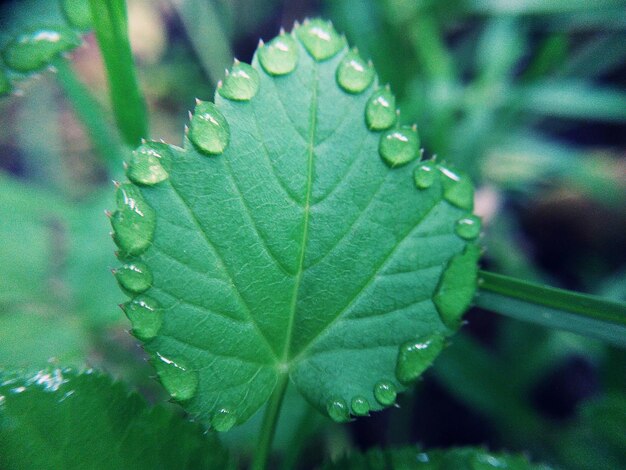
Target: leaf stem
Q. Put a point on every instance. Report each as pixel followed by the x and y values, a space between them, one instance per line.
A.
pixel 91 115
pixel 584 314
pixel 268 427
pixel 111 25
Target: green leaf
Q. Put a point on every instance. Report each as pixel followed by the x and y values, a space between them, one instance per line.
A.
pixel 62 419
pixel 288 238
pixel 410 458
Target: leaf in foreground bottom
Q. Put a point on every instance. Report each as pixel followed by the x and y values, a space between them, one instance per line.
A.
pixel 453 459
pixel 62 419
pixel 296 233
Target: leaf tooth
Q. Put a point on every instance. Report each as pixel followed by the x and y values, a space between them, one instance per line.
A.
pixel 261 44
pixel 116 183
pixel 281 31
pixel 198 101
pixel 108 213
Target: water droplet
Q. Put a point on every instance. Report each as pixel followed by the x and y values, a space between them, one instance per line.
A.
pixel 146 316
pixel 223 420
pixel 209 131
pixel 5 84
pixel 399 146
pixel 241 83
pixel 338 410
pixel 457 286
pixel 380 112
pixel 180 381
pixel 77 13
pixel 360 406
pixel 425 176
pixel 320 39
pixel 385 393
pixel 134 277
pixel 279 56
pixel 146 164
pixel 354 74
pixel 468 228
pixel 458 189
pixel 133 222
pixel 35 49
pixel 414 357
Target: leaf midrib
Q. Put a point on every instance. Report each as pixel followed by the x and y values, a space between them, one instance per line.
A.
pixel 307 213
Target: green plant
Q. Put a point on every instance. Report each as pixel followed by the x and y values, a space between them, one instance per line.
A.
pixel 298 236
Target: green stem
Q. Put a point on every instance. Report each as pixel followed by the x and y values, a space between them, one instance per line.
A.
pixel 129 107
pixel 268 427
pixel 91 115
pixel 584 314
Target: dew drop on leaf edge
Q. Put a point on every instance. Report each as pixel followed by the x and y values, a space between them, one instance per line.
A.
pixel 134 277
pixel 34 50
pixel 458 189
pixel 398 147
pixel 354 74
pixel 223 420
pixel 133 222
pixel 241 83
pixel 320 39
pixel 145 166
pixel 179 380
pixel 425 176
pixel 385 392
pixel 380 111
pixel 145 315
pixel 415 356
pixel 338 411
pixel 209 130
pixel 468 228
pixel 457 286
pixel 279 56
pixel 360 406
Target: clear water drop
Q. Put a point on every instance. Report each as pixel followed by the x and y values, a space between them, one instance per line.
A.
pixel 338 410
pixel 146 164
pixel 241 83
pixel 134 277
pixel 360 406
pixel 354 74
pixel 385 393
pixel 468 228
pixel 77 13
pixel 425 175
pixel 415 356
pixel 457 286
pixel 320 39
pixel 133 222
pixel 380 111
pixel 209 130
pixel 279 56
pixel 458 189
pixel 177 377
pixel 145 315
pixel 35 49
pixel 223 420
pixel 400 146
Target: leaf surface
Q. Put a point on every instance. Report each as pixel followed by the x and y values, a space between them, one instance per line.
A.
pixel 62 419
pixel 412 459
pixel 294 233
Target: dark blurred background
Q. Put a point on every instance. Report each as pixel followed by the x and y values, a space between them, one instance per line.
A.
pixel 527 97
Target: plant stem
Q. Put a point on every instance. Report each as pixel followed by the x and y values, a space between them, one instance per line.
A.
pixel 268 427
pixel 129 107
pixel 91 115
pixel 585 314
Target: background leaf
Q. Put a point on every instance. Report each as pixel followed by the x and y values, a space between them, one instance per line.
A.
pixel 62 419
